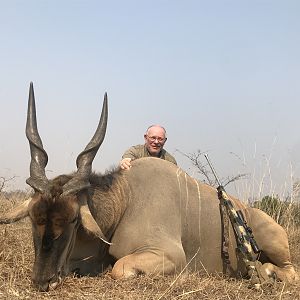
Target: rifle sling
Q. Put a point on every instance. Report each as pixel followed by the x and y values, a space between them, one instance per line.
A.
pixel 225 237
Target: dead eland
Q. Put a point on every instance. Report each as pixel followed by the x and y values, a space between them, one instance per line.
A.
pixel 153 218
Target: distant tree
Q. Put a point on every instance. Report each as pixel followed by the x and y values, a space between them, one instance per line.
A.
pixel 3 181
pixel 12 195
pixel 270 204
pixel 284 212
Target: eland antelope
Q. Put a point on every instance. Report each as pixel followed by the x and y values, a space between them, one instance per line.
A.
pixel 151 219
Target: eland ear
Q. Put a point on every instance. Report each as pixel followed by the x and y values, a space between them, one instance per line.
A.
pixel 89 224
pixel 18 213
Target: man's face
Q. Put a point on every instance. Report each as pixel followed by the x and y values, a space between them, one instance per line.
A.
pixel 155 140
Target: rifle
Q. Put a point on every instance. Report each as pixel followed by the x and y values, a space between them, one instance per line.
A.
pixel 246 243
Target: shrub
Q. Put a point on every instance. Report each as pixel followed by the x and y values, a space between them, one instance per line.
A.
pixel 286 213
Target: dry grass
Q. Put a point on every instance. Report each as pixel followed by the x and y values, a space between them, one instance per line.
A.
pixel 16 258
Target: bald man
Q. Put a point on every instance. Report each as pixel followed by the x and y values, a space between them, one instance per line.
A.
pixel 155 139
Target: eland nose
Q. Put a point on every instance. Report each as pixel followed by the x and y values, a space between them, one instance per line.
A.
pixel 43 285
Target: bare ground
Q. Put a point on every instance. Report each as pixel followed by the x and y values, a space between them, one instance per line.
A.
pixel 16 258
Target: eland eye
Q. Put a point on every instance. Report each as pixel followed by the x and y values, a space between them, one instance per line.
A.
pixel 74 220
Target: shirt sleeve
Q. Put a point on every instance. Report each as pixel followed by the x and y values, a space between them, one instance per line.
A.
pixel 132 152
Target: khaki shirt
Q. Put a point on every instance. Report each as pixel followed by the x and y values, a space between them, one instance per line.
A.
pixel 140 151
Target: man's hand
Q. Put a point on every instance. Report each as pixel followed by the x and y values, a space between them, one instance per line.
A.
pixel 125 163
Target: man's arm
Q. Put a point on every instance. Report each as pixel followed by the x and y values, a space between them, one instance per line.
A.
pixel 131 154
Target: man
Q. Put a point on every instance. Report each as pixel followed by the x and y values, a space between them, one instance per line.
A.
pixel 155 139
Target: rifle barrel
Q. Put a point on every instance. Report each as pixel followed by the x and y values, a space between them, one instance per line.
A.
pixel 212 169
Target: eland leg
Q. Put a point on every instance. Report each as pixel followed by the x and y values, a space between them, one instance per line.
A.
pixel 147 263
pixel 273 242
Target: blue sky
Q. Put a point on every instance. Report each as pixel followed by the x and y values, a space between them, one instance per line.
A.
pixel 221 76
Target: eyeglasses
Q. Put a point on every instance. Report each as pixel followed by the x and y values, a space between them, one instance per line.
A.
pixel 156 138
